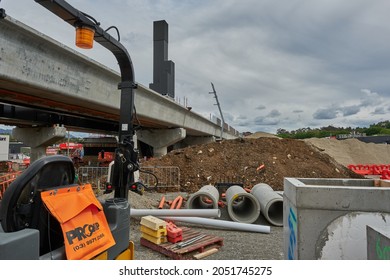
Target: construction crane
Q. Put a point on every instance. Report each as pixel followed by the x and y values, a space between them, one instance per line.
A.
pixel 35 212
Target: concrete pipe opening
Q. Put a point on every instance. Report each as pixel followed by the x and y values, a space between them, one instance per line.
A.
pixel 206 198
pixel 271 203
pixel 242 206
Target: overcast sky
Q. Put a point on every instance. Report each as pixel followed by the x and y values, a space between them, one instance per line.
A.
pixel 275 64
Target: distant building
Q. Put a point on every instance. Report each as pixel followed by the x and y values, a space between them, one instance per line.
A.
pixel 350 135
pixel 4 147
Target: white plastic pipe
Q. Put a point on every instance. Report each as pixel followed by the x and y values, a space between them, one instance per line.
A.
pixel 207 213
pixel 271 203
pixel 221 224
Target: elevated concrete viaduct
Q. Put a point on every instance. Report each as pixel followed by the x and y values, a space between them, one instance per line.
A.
pixel 40 75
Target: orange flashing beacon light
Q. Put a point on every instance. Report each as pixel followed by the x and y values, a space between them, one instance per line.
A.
pixel 84 37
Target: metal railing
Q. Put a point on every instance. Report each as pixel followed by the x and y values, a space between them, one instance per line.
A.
pixel 96 176
pixel 168 176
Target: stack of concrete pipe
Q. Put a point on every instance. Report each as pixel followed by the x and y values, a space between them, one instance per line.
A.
pixel 242 206
pixel 243 209
pixel 271 203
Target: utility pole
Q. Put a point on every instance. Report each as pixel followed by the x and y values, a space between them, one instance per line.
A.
pixel 219 107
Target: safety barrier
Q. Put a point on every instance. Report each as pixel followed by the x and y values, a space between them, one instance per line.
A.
pixel 6 180
pixel 371 169
pixel 168 176
pixel 96 176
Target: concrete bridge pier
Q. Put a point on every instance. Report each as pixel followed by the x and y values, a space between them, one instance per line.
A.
pixel 38 138
pixel 161 139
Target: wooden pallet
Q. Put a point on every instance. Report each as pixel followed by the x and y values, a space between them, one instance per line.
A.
pixel 185 253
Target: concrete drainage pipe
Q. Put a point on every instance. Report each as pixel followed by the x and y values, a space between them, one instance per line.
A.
pixel 206 198
pixel 271 203
pixel 242 206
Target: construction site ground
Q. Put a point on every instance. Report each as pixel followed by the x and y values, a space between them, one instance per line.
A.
pixel 237 245
pixel 251 161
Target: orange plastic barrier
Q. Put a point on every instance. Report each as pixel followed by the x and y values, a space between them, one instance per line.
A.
pixel 6 180
pixel 174 234
pixel 385 174
pixel 369 169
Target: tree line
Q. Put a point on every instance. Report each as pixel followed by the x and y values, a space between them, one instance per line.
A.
pixel 381 128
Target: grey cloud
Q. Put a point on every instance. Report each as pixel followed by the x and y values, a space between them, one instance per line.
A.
pixel 260 107
pixel 297 111
pixel 350 110
pixel 379 111
pixel 273 114
pixel 242 117
pixel 325 114
pixel 371 98
pixel 266 121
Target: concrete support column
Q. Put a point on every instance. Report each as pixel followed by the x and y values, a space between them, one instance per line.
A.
pixel 38 138
pixel 161 139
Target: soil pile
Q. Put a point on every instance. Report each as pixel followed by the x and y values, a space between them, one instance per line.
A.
pixel 250 161
pixel 352 151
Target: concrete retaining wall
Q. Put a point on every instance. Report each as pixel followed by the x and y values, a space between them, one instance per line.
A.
pixel 327 218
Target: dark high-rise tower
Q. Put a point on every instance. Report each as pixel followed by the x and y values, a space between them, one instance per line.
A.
pixel 163 69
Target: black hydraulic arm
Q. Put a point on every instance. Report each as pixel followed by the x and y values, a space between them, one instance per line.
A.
pixel 126 158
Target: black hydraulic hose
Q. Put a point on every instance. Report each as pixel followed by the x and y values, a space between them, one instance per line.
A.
pixel 154 175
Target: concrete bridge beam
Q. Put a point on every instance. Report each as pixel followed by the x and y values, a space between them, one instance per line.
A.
pixel 161 139
pixel 38 138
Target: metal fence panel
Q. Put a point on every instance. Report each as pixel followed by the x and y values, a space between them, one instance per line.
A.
pixel 96 176
pixel 168 176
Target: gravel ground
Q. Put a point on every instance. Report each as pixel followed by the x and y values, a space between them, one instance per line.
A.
pixel 237 245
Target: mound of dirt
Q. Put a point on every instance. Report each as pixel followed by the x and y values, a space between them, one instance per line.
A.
pixel 261 134
pixel 352 151
pixel 250 161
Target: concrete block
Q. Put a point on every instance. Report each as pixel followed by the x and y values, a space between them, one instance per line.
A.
pixel 155 240
pixel 155 233
pixel 327 218
pixel 153 223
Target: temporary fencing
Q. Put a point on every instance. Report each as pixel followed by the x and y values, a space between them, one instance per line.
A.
pixel 96 176
pixel 371 169
pixel 168 176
